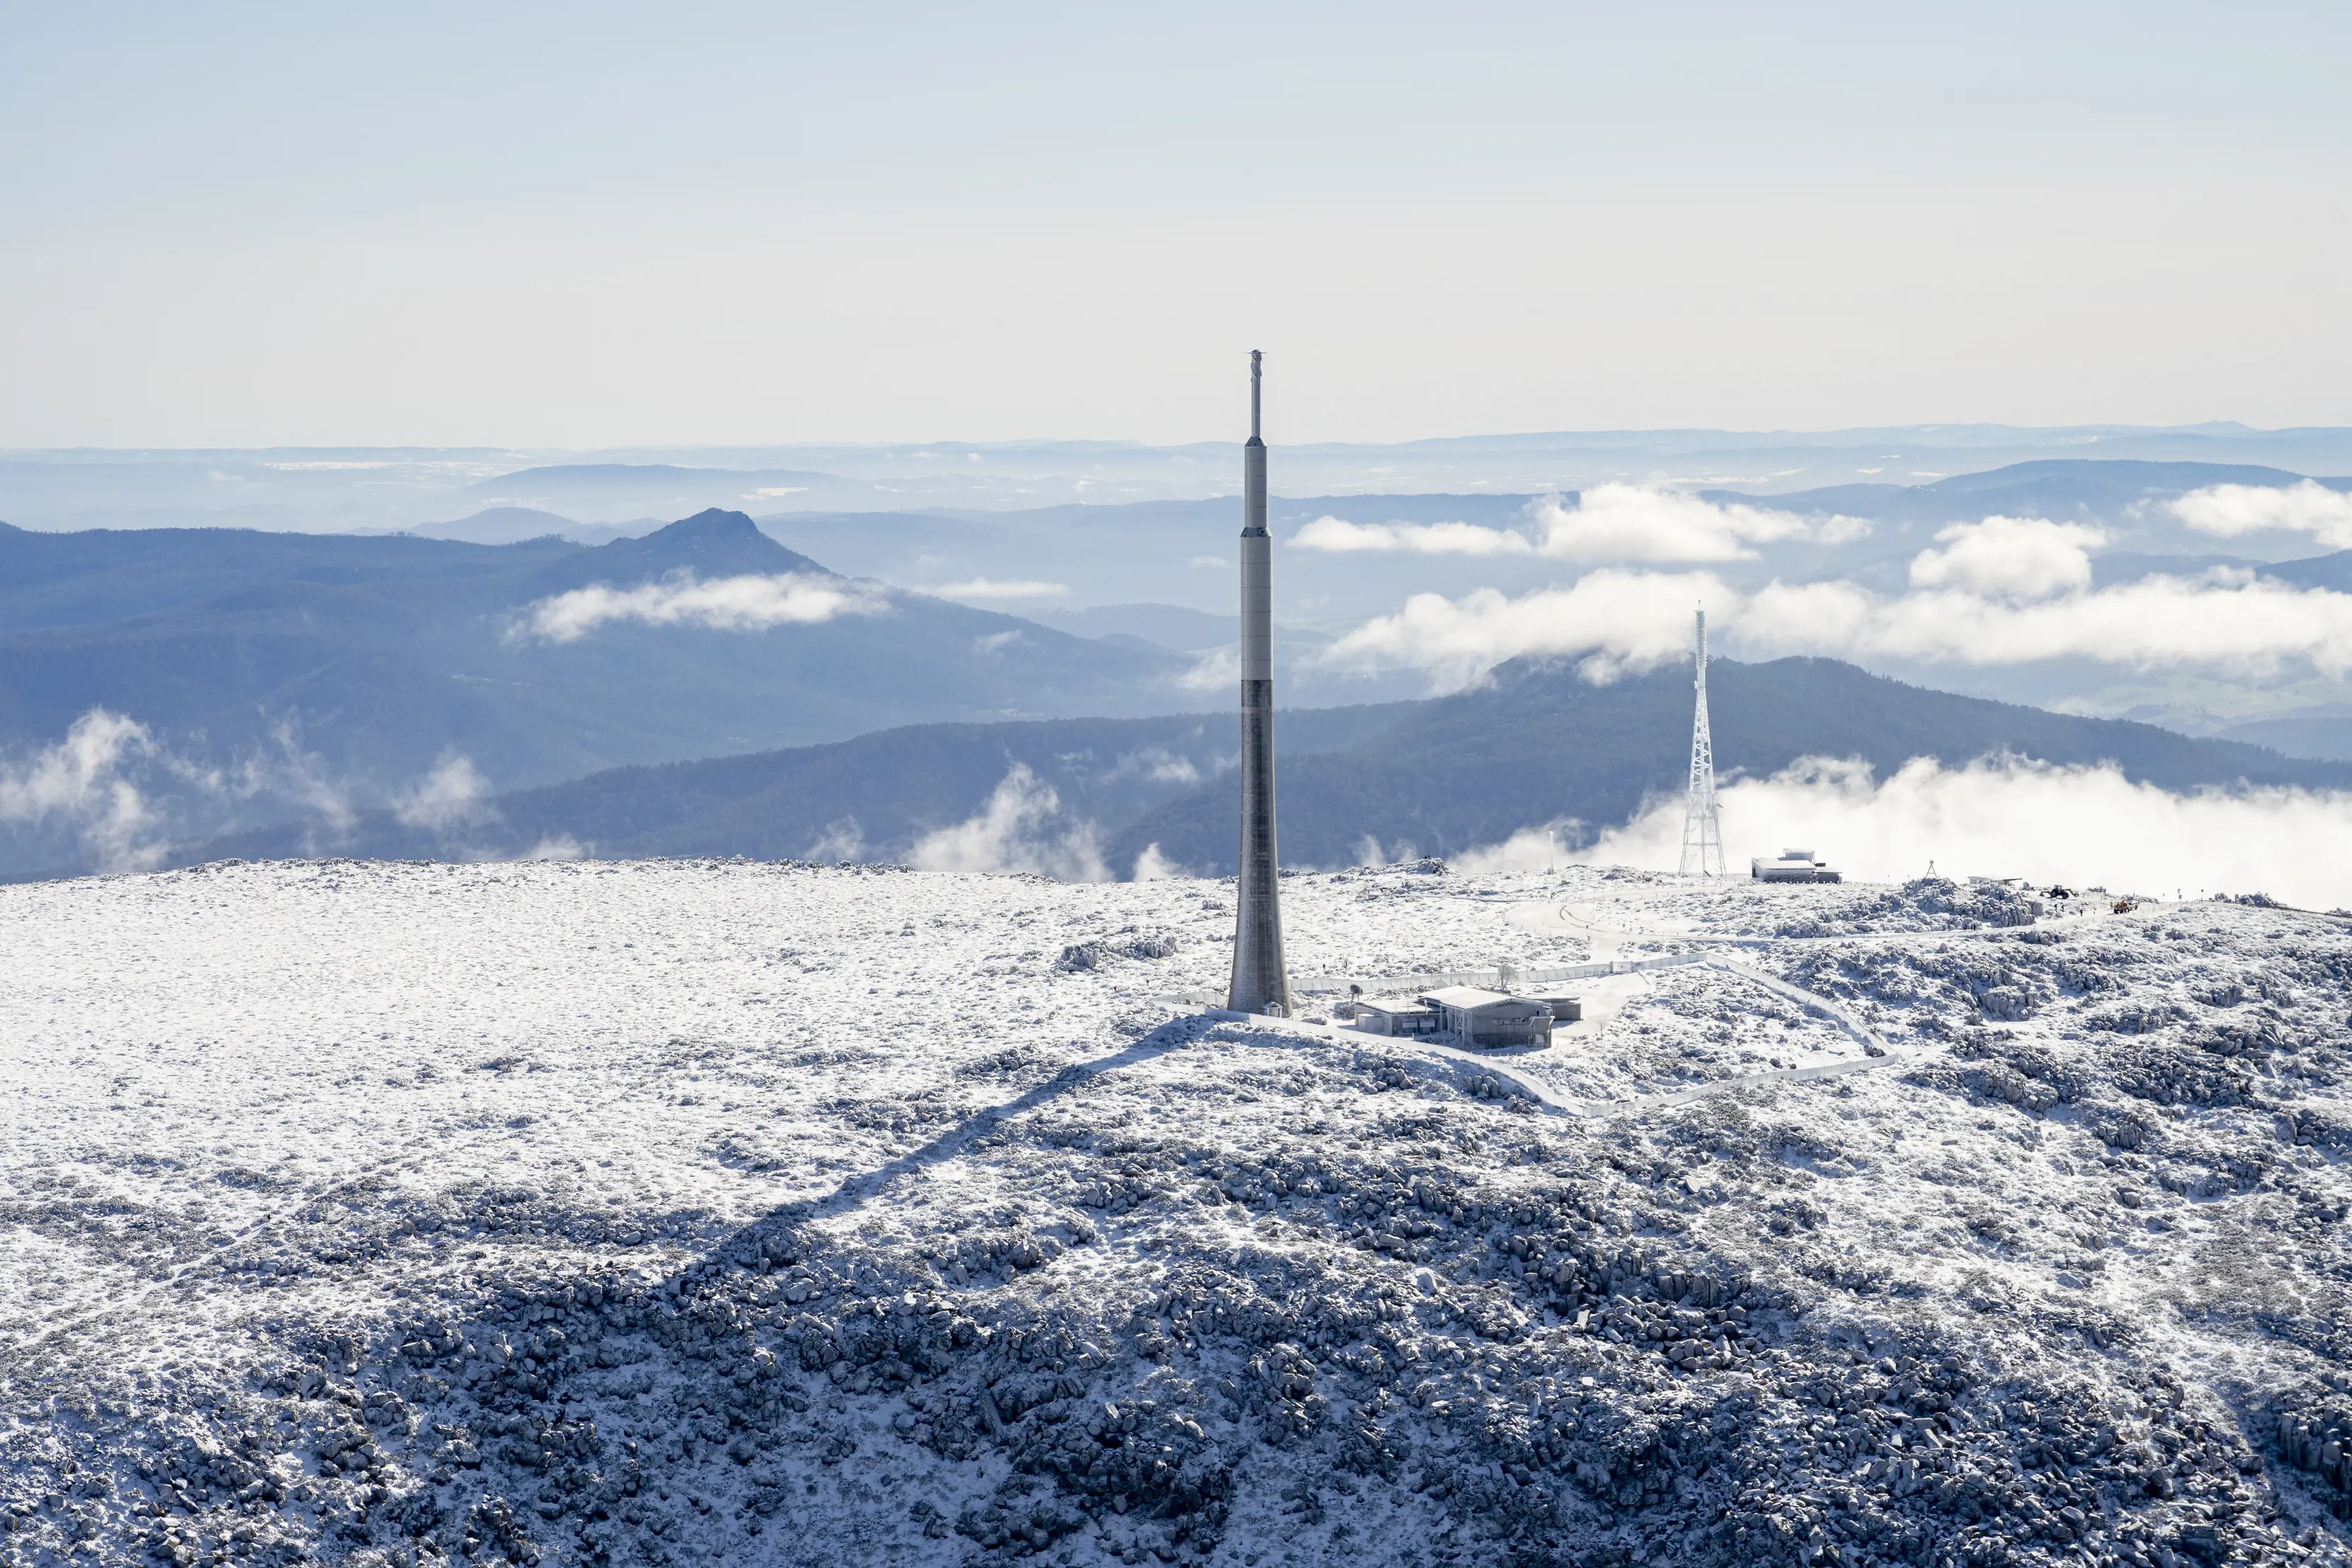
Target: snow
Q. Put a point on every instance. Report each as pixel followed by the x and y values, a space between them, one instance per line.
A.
pixel 691 1211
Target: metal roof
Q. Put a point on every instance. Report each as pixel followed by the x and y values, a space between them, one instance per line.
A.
pixel 1467 997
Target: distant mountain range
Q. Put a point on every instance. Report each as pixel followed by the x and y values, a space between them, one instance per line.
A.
pixel 2062 490
pixel 517 525
pixel 275 674
pixel 1536 745
pixel 395 488
pixel 361 663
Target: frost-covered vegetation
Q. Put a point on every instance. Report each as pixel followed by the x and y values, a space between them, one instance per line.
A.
pixel 702 1212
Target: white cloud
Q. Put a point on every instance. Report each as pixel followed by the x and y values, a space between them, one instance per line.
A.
pixel 121 790
pixel 1015 832
pixel 454 795
pixel 2222 621
pixel 983 587
pixel 1336 535
pixel 1156 763
pixel 1609 522
pixel 996 642
pixel 1153 866
pixel 301 776
pixel 83 780
pixel 1637 522
pixel 725 603
pixel 1618 619
pixel 1530 849
pixel 842 842
pixel 555 847
pixel 1213 671
pixel 2309 507
pixel 2012 557
pixel 2009 817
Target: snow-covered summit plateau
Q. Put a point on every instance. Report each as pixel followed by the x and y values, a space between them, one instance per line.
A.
pixel 694 1212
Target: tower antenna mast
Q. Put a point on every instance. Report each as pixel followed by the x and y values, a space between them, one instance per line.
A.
pixel 1702 824
pixel 1260 983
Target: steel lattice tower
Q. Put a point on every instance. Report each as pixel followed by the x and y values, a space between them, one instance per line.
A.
pixel 1702 824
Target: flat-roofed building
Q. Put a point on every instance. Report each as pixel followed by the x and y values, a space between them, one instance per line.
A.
pixel 1476 1017
pixel 1393 1017
pixel 1794 865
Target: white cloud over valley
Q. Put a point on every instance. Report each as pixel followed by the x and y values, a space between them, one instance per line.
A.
pixel 2013 557
pixel 1213 671
pixel 725 603
pixel 1338 536
pixel 1609 522
pixel 454 795
pixel 987 587
pixel 2308 507
pixel 1616 619
pixel 2079 826
pixel 1021 829
pixel 84 781
pixel 1638 522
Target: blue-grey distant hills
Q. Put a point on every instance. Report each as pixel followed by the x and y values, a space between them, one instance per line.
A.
pixel 1548 748
pixel 359 662
pixel 1536 745
pixel 294 678
pixel 516 525
pixel 2060 488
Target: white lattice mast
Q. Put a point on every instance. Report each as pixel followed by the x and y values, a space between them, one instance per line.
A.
pixel 1702 824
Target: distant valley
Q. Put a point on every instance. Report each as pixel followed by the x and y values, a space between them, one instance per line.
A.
pixel 1537 745
pixel 817 682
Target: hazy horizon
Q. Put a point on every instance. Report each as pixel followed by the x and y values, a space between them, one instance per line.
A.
pixel 752 224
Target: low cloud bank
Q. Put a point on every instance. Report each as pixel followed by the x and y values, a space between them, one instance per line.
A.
pixel 2309 507
pixel 1634 522
pixel 124 795
pixel 1152 865
pixel 1156 763
pixel 1617 621
pixel 84 782
pixel 1215 670
pixel 842 842
pixel 2005 817
pixel 724 604
pixel 986 587
pixel 2009 557
pixel 1607 522
pixel 2221 619
pixel 454 795
pixel 1021 829
pixel 1339 537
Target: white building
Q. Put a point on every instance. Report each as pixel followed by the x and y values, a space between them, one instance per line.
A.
pixel 1471 1016
pixel 1794 865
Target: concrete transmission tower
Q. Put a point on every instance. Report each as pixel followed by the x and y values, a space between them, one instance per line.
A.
pixel 1702 824
pixel 1260 982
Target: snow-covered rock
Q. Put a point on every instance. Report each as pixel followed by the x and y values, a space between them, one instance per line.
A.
pixel 682 1212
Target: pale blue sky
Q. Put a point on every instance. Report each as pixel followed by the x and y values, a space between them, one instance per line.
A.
pixel 244 224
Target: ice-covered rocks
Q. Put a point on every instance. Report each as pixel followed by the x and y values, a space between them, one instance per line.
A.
pixel 683 1213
